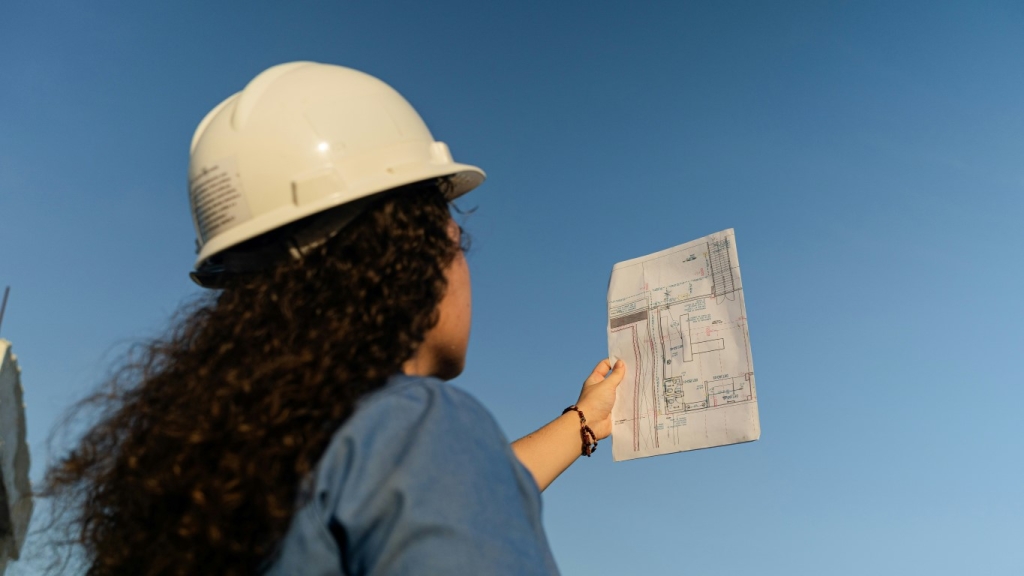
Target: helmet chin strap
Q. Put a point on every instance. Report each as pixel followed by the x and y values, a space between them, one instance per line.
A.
pixel 326 225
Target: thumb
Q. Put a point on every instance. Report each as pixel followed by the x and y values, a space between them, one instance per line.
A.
pixel 618 373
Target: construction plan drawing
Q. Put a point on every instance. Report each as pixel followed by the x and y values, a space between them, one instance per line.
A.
pixel 678 320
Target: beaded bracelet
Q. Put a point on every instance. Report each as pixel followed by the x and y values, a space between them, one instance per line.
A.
pixel 586 434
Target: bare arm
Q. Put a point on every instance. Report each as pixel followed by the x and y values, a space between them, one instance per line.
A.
pixel 552 449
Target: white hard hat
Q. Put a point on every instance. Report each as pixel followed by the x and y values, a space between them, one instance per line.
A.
pixel 300 139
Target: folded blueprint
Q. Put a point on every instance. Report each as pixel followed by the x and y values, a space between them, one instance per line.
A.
pixel 678 320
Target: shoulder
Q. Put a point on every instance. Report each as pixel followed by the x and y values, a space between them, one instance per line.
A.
pixel 409 403
pixel 412 426
pixel 417 394
pixel 421 476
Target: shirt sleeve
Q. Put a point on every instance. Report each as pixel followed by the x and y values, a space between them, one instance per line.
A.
pixel 421 480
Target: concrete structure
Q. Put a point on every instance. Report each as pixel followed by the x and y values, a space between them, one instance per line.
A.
pixel 15 490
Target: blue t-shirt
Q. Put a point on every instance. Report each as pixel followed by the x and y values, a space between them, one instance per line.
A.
pixel 419 480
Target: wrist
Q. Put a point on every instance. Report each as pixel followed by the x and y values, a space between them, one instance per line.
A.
pixel 588 440
pixel 599 420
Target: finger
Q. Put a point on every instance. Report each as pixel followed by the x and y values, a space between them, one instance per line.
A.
pixel 618 373
pixel 599 372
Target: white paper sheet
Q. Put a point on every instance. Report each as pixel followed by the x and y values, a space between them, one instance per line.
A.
pixel 678 320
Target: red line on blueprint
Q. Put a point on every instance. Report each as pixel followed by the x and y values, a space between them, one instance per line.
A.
pixel 654 393
pixel 636 393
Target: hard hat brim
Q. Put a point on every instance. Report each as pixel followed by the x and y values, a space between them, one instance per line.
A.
pixel 461 179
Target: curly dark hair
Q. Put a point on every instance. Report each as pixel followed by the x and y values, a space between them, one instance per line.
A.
pixel 194 462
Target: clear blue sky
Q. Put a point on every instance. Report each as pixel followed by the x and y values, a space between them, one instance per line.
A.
pixel 868 155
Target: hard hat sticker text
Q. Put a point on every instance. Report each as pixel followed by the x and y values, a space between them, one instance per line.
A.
pixel 217 199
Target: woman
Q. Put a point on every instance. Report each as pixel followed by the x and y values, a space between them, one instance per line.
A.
pixel 298 421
